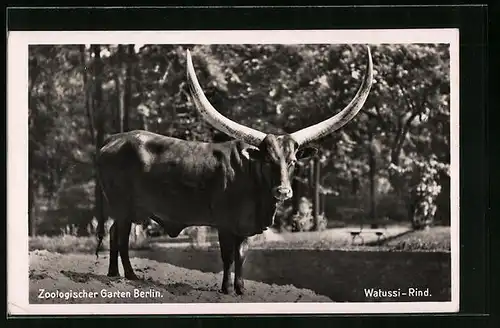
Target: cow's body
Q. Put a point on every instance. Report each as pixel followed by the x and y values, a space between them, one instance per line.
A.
pixel 184 183
pixel 233 186
pixel 181 183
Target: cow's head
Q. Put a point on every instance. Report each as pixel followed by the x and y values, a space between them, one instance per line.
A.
pixel 280 152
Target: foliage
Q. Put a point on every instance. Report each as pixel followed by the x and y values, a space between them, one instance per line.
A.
pixel 422 179
pixel 272 87
pixel 303 220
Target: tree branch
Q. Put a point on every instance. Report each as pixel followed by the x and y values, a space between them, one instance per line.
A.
pixel 378 117
pixel 399 145
pixel 402 128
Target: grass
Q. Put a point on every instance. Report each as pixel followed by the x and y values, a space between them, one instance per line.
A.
pixel 397 238
pixel 73 244
pixel 435 239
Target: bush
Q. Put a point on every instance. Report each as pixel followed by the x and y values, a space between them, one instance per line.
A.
pixel 422 177
pixel 303 220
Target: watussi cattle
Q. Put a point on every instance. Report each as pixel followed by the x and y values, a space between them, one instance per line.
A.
pixel 233 186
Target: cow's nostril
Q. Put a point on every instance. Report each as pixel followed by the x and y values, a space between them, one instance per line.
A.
pixel 285 190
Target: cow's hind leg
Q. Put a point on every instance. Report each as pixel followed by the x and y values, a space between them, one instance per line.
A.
pixel 113 251
pixel 240 253
pixel 226 243
pixel 124 234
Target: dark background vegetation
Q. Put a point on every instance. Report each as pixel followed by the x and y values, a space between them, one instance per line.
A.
pixel 390 161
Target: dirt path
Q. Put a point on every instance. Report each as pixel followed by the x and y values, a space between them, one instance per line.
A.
pixel 81 278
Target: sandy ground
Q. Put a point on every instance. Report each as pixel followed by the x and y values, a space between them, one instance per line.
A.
pixel 81 278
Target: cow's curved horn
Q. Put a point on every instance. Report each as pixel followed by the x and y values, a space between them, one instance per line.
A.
pixel 216 119
pixel 337 121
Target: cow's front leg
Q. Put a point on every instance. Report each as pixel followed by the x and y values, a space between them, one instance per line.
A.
pixel 226 243
pixel 241 249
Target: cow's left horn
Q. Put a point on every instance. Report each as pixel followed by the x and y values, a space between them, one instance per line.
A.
pixel 216 119
pixel 337 121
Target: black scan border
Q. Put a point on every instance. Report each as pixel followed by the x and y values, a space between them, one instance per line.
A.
pixel 472 24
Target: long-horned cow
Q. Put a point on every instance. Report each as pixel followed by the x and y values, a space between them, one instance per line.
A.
pixel 232 186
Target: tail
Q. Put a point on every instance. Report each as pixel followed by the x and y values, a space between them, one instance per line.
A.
pixel 100 237
pixel 100 218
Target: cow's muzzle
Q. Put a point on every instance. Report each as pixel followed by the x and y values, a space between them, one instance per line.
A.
pixel 282 193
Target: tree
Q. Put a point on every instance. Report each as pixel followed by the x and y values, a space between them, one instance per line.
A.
pixel 373 166
pixel 99 117
pixel 123 85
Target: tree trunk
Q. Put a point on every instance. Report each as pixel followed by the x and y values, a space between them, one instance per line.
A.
pixel 136 72
pixel 316 197
pixel 124 83
pixel 31 209
pixel 127 97
pixel 33 74
pixel 311 178
pixel 99 115
pixel 144 122
pixel 120 88
pixel 396 148
pixel 88 111
pixel 372 171
pixel 397 144
pixel 296 191
pixel 443 212
pixel 117 109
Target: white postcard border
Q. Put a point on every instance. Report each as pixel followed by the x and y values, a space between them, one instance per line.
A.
pixel 17 163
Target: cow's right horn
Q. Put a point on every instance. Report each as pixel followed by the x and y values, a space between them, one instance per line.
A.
pixel 216 119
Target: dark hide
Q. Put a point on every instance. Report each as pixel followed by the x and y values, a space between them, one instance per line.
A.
pixel 230 186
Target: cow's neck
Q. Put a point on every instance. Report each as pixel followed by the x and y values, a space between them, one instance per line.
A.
pixel 265 203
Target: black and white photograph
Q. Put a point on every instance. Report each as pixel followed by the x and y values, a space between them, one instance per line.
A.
pixel 245 172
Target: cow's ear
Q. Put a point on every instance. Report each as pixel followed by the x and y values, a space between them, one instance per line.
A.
pixel 253 154
pixel 306 152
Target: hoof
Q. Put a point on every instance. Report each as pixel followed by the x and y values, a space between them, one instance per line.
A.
pixel 239 288
pixel 131 276
pixel 226 290
pixel 240 291
pixel 113 274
